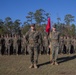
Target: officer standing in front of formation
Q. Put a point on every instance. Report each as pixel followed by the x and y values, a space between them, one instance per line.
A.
pixel 54 45
pixel 33 37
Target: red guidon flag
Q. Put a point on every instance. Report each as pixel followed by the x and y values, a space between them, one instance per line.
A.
pixel 48 26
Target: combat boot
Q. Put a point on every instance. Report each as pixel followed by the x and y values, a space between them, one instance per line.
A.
pixel 52 62
pixel 35 66
pixel 31 66
pixel 55 63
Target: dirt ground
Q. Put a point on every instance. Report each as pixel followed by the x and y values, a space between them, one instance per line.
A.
pixel 18 65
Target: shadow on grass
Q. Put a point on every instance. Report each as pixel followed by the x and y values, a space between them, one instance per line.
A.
pixel 65 59
pixel 45 63
pixel 60 60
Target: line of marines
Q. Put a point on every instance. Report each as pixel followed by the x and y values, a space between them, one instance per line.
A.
pixel 67 44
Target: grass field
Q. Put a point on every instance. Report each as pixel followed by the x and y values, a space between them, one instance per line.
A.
pixel 18 65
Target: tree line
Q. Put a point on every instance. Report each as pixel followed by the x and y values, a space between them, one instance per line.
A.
pixel 40 17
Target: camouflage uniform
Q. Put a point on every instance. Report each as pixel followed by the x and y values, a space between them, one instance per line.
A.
pixel 19 41
pixel 68 45
pixel 61 44
pixel 54 45
pixel 45 45
pixel 6 43
pixel 23 45
pixel 74 44
pixel 15 46
pixel 33 38
pixel 41 44
pixel 2 45
pixel 65 43
pixel 10 45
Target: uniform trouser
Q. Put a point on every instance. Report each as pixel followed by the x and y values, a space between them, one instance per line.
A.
pixel 40 49
pixel 2 49
pixel 7 48
pixel 46 49
pixel 23 48
pixel 54 52
pixel 68 47
pixel 61 48
pixel 15 47
pixel 33 51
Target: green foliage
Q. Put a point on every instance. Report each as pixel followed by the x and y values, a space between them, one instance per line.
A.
pixel 68 19
pixel 25 29
pixel 1 31
pixel 40 18
pixel 16 26
pixel 38 15
pixel 73 30
pixel 30 17
pixel 68 30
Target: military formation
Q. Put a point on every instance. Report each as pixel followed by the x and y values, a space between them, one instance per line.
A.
pixel 12 44
pixel 17 44
pixel 33 43
pixel 67 44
